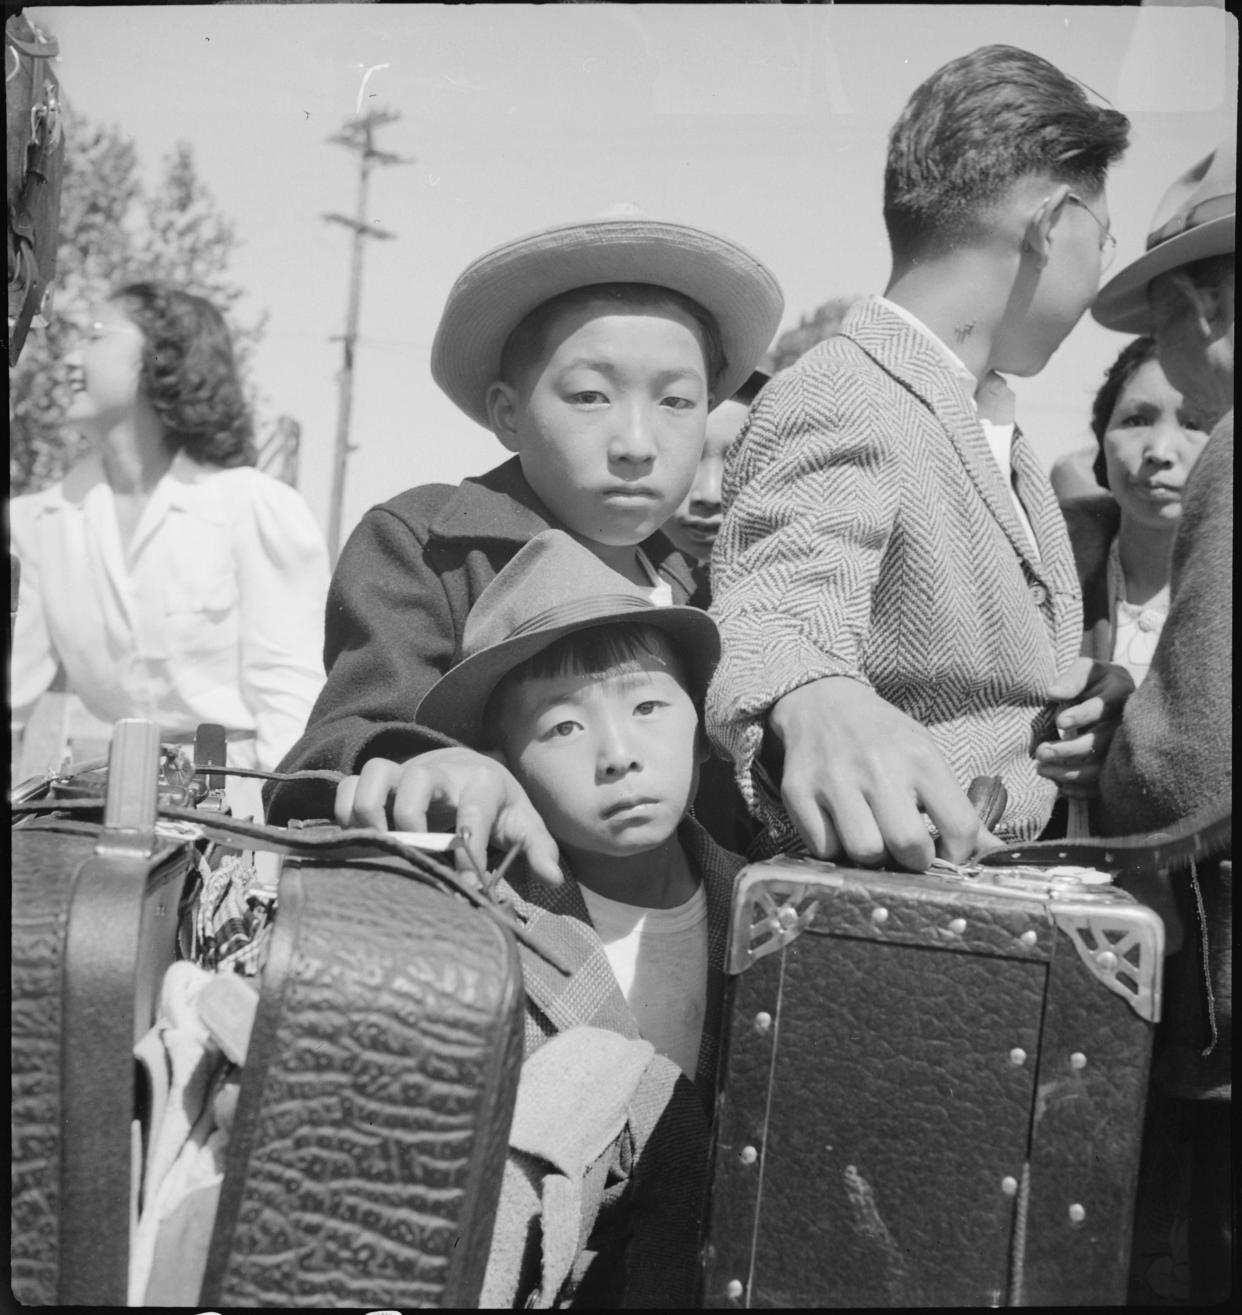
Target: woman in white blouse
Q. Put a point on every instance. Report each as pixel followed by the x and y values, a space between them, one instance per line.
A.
pixel 1123 541
pixel 164 576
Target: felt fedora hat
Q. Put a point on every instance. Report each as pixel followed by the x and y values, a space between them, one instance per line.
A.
pixel 553 586
pixel 1194 220
pixel 498 290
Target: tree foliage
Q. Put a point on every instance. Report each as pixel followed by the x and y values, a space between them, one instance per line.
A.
pixel 114 230
pixel 822 323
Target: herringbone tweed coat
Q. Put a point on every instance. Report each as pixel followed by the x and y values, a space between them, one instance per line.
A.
pixel 869 533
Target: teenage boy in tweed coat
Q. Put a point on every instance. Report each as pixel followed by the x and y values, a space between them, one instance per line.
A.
pixel 589 693
pixel 896 613
pixel 593 351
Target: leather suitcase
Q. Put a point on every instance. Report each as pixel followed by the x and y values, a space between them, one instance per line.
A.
pixel 933 1088
pixel 372 1123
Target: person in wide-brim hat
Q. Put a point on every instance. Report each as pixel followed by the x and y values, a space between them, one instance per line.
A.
pixel 552 587
pixel 499 289
pixel 1195 219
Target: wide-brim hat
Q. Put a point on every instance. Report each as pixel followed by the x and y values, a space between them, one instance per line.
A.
pixel 499 289
pixel 1195 219
pixel 552 587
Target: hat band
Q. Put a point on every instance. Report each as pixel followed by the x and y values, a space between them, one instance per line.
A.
pixel 581 609
pixel 1215 207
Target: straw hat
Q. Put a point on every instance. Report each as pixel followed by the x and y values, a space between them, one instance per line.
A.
pixel 1194 220
pixel 553 586
pixel 496 291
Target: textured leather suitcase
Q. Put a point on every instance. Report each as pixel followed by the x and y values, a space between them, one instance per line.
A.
pixel 933 1088
pixel 372 1123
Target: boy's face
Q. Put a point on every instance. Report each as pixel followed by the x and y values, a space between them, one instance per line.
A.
pixel 610 762
pixel 609 423
pixel 695 524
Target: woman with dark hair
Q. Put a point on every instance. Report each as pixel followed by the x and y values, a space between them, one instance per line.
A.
pixel 165 577
pixel 1123 540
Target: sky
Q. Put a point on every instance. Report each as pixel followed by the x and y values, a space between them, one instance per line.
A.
pixel 764 123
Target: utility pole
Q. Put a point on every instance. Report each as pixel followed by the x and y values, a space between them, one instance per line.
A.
pixel 358 135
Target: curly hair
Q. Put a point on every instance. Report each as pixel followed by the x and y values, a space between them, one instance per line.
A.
pixel 976 126
pixel 189 373
pixel 1133 356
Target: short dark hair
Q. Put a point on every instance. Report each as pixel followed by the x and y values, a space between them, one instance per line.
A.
pixel 600 650
pixel 1133 356
pixel 189 373
pixel 527 340
pixel 976 126
pixel 1210 271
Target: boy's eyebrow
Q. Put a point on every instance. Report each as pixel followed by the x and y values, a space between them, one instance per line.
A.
pixel 625 680
pixel 609 368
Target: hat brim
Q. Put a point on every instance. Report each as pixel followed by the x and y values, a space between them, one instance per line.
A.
pixel 455 704
pixel 1122 302
pixel 501 288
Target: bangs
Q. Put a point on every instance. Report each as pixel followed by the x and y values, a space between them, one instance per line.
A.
pixel 611 649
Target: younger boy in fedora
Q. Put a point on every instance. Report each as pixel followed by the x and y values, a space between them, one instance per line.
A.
pixel 591 695
pixel 593 351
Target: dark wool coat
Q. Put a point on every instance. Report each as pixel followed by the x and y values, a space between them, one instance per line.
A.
pixel 1174 755
pixel 397 606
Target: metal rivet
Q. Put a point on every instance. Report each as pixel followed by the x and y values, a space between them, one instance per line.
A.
pixel 1009 1185
pixel 1017 1056
pixel 1077 1214
pixel 788 918
pixel 1106 960
pixel 957 926
pixel 879 915
pixel 763 1022
pixel 1029 937
pixel 733 1289
pixel 748 1155
pixel 1078 1060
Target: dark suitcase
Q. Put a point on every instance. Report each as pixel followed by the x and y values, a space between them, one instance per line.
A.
pixel 371 1129
pixel 933 1088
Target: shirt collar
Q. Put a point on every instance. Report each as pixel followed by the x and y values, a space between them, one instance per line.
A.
pixel 955 361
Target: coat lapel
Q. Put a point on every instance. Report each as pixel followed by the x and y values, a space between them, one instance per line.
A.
pixel 586 992
pixel 918 365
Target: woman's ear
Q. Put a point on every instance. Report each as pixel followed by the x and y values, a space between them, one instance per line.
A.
pixel 502 413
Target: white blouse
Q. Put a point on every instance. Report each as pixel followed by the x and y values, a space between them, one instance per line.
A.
pixel 214 614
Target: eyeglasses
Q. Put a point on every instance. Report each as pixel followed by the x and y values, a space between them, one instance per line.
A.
pixel 1108 243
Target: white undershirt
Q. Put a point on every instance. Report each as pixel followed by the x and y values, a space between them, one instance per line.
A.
pixel 659 958
pixel 999 437
pixel 660 592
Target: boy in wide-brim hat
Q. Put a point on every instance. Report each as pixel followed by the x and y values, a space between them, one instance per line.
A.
pixel 591 695
pixel 593 351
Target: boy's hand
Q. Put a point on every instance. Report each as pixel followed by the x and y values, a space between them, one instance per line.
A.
pixel 490 806
pixel 1096 694
pixel 857 772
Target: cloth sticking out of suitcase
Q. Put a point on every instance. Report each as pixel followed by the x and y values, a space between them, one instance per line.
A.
pixel 933 1088
pixel 371 1040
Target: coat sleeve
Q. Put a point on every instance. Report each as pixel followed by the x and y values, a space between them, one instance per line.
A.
pixel 1174 751
pixel 389 634
pixel 811 496
pixel 282 568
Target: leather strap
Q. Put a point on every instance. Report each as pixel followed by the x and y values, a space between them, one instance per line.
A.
pixel 120 940
pixel 1204 834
